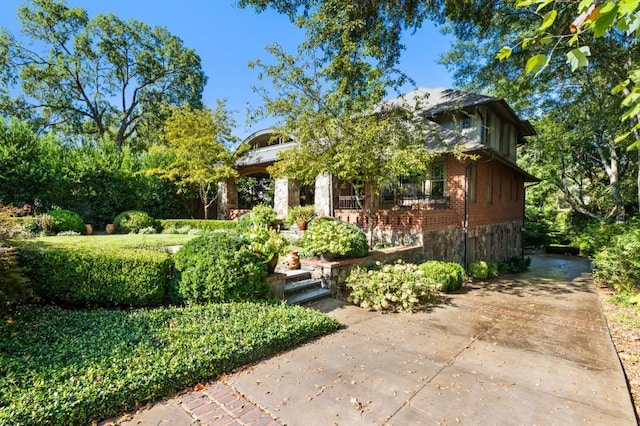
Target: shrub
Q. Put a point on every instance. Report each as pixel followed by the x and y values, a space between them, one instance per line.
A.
pixel 334 237
pixel 184 226
pixel 448 276
pixel 618 265
pixel 132 221
pixel 396 287
pixel 479 269
pixel 260 215
pixel 148 230
pixel 105 277
pixel 66 220
pixel 44 223
pixel 219 267
pixel 301 213
pixel 14 287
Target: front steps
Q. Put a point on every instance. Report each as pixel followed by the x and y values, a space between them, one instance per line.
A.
pixel 300 288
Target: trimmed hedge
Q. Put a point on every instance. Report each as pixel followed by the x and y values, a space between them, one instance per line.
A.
pixel 449 276
pixel 97 277
pixel 183 226
pixel 220 267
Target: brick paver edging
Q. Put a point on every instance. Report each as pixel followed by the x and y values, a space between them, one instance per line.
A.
pixel 219 404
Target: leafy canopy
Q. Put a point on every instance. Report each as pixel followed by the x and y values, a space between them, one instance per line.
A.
pixel 99 77
pixel 197 149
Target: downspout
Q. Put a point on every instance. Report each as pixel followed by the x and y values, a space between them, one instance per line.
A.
pixel 467 174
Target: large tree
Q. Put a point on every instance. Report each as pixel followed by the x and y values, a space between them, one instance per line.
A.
pixel 100 77
pixel 197 146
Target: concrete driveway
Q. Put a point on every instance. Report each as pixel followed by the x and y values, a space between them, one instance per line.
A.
pixel 530 349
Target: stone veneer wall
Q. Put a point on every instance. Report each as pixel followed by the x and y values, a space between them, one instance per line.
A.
pixel 333 275
pixel 496 242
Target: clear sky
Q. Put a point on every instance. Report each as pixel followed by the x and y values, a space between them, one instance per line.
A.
pixel 226 38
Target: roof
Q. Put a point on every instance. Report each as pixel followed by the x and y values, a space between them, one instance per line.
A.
pixel 432 102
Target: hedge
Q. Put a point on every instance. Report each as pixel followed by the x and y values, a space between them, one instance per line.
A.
pixel 171 226
pixel 97 277
pixel 449 276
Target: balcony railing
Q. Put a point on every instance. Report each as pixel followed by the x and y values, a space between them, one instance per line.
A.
pixel 397 200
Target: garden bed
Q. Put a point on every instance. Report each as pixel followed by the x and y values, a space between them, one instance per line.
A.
pixel 74 367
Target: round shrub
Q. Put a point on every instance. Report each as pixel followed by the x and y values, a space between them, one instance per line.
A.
pixel 219 267
pixel 397 287
pixel 132 221
pixel 329 236
pixel 479 269
pixel 448 276
pixel 66 220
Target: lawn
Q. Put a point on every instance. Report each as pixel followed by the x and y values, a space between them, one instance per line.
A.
pixel 76 366
pixel 117 240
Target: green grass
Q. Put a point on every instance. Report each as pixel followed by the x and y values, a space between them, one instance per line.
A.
pixel 73 367
pixel 117 240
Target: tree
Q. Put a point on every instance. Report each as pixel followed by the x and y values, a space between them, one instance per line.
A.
pixel 197 146
pixel 100 77
pixel 365 144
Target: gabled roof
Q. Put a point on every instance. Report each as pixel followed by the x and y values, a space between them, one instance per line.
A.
pixel 432 102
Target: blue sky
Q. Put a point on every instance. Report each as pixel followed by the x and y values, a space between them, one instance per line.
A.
pixel 227 38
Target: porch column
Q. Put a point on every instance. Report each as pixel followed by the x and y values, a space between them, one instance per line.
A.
pixel 324 195
pixel 286 194
pixel 227 198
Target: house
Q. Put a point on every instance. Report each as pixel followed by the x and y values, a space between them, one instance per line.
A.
pixel 464 209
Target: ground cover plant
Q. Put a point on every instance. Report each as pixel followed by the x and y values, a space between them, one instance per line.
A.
pixel 74 367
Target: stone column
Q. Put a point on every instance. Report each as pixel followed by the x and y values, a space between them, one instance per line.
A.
pixel 227 198
pixel 324 195
pixel 286 194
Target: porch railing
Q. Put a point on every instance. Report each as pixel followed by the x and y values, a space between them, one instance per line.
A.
pixel 350 202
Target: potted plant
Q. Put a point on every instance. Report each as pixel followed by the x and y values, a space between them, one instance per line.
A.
pixel 301 215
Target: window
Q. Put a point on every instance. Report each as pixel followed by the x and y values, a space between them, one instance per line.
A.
pixel 410 189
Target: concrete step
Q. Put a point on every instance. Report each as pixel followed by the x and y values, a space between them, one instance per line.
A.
pixel 298 286
pixel 308 296
pixel 297 275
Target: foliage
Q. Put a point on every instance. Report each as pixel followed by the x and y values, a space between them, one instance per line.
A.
pixel 171 226
pixel 618 264
pixel 197 142
pixel 599 235
pixel 265 241
pixel 260 215
pixel 78 366
pixel 514 265
pixel 334 237
pixel 448 276
pixel 66 220
pixel 132 221
pixel 14 287
pixel 44 223
pixel 479 269
pixel 219 267
pixel 254 190
pixel 116 241
pixel 96 277
pixel 301 213
pixel 102 77
pixel 396 287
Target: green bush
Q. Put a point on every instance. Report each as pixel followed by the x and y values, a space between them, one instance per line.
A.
pixel 301 213
pixel 334 237
pixel 220 267
pixel 184 226
pixel 76 367
pixel 396 287
pixel 132 221
pixel 618 264
pixel 14 286
pixel 479 269
pixel 66 220
pixel 448 276
pixel 104 277
pixel 260 215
